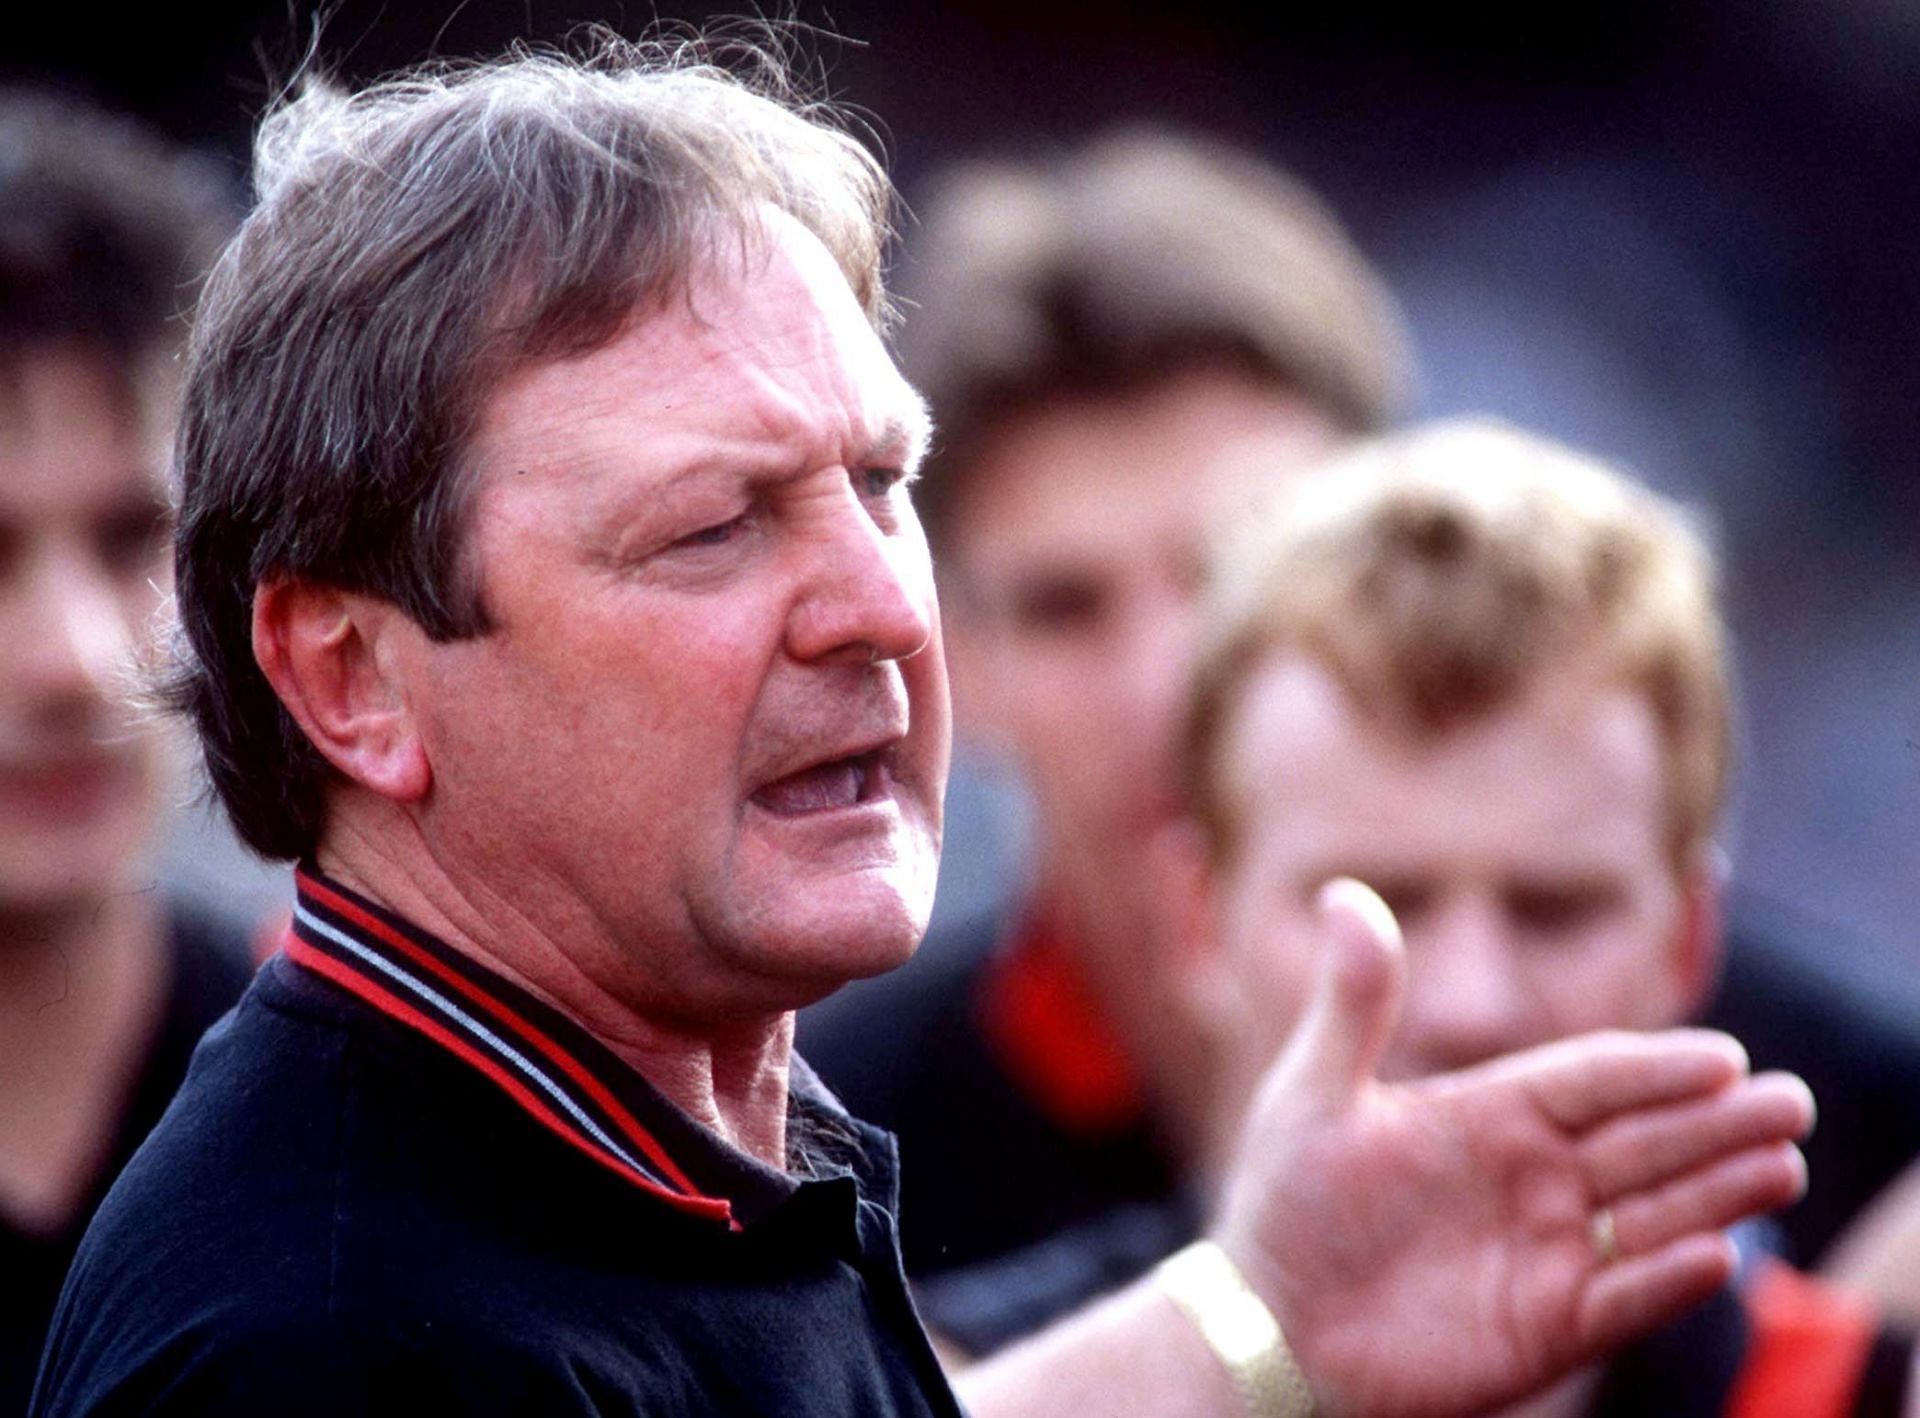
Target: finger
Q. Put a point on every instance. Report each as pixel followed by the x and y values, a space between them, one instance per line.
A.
pixel 1356 999
pixel 1634 1297
pixel 1757 1180
pixel 1584 1081
pixel 1643 1149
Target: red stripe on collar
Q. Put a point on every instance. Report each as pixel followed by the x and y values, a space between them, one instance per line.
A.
pixel 358 984
pixel 548 1065
pixel 525 1031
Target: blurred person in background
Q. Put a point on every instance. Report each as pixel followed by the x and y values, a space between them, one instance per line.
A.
pixel 105 984
pixel 1093 333
pixel 1488 677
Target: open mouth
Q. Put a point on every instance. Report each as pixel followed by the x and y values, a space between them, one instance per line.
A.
pixel 837 783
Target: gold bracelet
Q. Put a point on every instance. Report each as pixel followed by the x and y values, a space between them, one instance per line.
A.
pixel 1209 1290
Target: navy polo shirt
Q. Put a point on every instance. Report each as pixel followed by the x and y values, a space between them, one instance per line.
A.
pixel 393 1182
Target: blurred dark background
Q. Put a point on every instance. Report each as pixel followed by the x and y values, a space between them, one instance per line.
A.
pixel 1681 235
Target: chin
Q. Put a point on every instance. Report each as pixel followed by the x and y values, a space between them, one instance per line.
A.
pixel 794 971
pixel 864 933
pixel 52 870
pixel 878 958
pixel 870 944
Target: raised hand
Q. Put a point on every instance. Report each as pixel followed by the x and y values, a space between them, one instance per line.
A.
pixel 1443 1246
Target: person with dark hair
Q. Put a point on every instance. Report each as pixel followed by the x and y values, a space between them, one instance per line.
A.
pixel 105 986
pixel 1097 332
pixel 549 586
pixel 1094 332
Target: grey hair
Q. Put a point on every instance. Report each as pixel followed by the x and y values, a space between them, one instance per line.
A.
pixel 411 244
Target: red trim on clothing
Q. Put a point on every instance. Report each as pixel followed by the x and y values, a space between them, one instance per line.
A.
pixel 352 980
pixel 1045 1024
pixel 522 1028
pixel 1808 1347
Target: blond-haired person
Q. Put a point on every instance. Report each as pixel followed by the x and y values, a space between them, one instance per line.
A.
pixel 1488 677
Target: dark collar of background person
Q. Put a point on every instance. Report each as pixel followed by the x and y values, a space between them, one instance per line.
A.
pixel 208 969
pixel 1046 1027
pixel 1777 1342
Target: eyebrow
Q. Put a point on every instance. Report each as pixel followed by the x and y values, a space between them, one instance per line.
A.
pixel 904 438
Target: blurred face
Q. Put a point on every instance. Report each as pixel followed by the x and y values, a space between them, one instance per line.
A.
pixel 1524 853
pixel 706 744
pixel 1078 552
pixel 82 568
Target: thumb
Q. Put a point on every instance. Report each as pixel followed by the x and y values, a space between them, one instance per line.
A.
pixel 1356 999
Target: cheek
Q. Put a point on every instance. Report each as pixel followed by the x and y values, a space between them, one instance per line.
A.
pixel 930 709
pixel 1285 976
pixel 142 597
pixel 1271 949
pixel 1082 703
pixel 1031 684
pixel 1022 695
pixel 1612 980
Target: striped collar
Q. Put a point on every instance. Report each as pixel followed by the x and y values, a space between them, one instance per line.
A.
pixel 548 1066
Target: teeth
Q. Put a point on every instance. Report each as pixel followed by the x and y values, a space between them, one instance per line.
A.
pixel 830 785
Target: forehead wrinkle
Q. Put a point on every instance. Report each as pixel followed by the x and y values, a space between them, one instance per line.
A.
pixel 817 406
pixel 763 370
pixel 828 357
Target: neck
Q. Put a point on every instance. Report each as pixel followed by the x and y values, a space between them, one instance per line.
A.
pixel 80 994
pixel 729 1074
pixel 1130 969
pixel 62 970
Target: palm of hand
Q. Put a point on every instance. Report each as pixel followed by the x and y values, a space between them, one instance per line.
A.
pixel 1485 1306
pixel 1428 1247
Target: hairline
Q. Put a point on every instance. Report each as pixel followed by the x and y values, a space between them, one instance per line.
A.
pixel 1599 672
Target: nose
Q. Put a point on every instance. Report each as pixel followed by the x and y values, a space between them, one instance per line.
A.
pixel 1467 1000
pixel 71 635
pixel 866 591
pixel 1140 686
pixel 1155 656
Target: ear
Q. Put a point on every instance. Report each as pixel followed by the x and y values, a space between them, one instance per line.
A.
pixel 333 658
pixel 1698 942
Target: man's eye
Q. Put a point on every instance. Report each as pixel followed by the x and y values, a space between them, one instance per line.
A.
pixel 878 482
pixel 131 542
pixel 1550 910
pixel 719 534
pixel 1059 604
pixel 1408 900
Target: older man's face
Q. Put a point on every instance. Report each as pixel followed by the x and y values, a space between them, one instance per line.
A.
pixel 705 747
pixel 82 568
